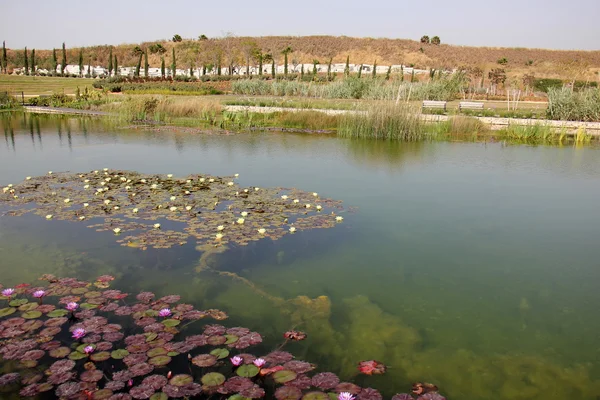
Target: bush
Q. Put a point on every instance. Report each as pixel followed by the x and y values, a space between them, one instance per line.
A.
pixel 8 102
pixel 565 104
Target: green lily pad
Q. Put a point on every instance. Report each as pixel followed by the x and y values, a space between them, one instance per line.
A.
pixel 150 336
pixel 18 302
pixel 102 394
pixel 220 353
pixel 159 361
pixel 88 306
pixel 57 313
pixel 159 396
pixel 333 396
pixel 238 396
pixel 79 290
pixel 28 307
pixel 7 311
pixel 171 322
pixel 158 351
pixel 119 354
pixel 183 379
pixel 44 387
pixel 172 354
pixel 28 363
pixel 213 379
pixel 315 395
pixel 76 355
pixel 32 314
pixel 284 376
pixel 231 339
pixel 101 356
pixel 59 352
pixel 247 371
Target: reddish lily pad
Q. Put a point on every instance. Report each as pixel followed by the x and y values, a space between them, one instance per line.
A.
pixel 159 361
pixel 284 376
pixel 31 314
pixel 348 387
pixel 183 379
pixel 325 380
pixel 216 340
pixel 204 360
pixel 141 392
pixel 92 375
pixel 60 352
pixel 212 379
pixel 102 394
pixel 288 393
pixel 31 326
pixel 220 353
pixel 100 356
pixel 247 371
pixel 369 394
pixel 119 354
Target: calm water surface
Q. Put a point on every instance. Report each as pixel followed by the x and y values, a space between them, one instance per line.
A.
pixel 474 266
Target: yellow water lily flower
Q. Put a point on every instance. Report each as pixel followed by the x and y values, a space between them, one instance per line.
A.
pixel 296 201
pixel 96 171
pixel 211 180
pixel 202 179
pixel 107 179
pixel 135 210
pixel 143 181
pixel 187 192
pixel 102 183
pixel 319 208
pixel 230 183
pixel 5 189
pixel 156 226
pixel 220 227
pixel 67 200
pixel 82 218
pixel 188 208
pixel 86 181
pixel 105 169
pixel 237 175
pixel 127 187
pixel 107 201
pixel 173 208
pixel 244 214
pixel 292 229
pixel 154 186
pixel 49 216
pixel 173 198
pixel 28 178
pixel 315 194
pixel 284 197
pixel 49 172
pixel 169 176
pixel 245 190
pixel 339 218
pixel 85 204
pixel 262 231
pixel 117 230
pixel 116 207
pixel 188 181
pixel 240 221
pixel 256 189
pixel 307 205
pixel 219 236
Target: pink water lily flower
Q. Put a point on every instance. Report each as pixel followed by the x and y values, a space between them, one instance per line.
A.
pixel 38 294
pixel 259 362
pixel 237 360
pixel 72 306
pixel 8 292
pixel 346 396
pixel 165 312
pixel 78 333
pixel 88 349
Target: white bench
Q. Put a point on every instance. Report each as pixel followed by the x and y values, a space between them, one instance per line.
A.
pixel 470 105
pixel 434 104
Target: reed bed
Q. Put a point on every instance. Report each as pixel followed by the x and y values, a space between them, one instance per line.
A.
pixel 387 122
pixel 165 109
pixel 565 104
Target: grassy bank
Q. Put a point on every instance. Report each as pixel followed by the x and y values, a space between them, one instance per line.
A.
pixel 40 85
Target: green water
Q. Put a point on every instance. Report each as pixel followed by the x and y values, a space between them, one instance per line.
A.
pixel 473 266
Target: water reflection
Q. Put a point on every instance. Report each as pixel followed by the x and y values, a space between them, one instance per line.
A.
pixel 470 265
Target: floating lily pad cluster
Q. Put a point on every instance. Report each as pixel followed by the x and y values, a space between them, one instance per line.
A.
pixel 78 340
pixel 161 211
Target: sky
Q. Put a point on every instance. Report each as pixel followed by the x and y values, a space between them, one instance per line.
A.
pixel 552 24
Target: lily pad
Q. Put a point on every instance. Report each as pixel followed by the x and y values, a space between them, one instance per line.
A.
pixel 102 394
pixel 172 354
pixel 284 376
pixel 220 353
pixel 288 393
pixel 28 307
pixel 88 306
pixel 57 313
pixel 150 336
pixel 231 339
pixel 7 311
pixel 159 396
pixel 183 379
pixel 18 302
pixel 76 355
pixel 247 371
pixel 213 379
pixel 158 351
pixel 119 354
pixel 204 360
pixel 159 361
pixel 100 356
pixel 31 314
pixel 315 396
pixel 60 352
pixel 171 322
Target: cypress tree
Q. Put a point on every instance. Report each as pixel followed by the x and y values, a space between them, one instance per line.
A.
pixel 315 62
pixel 116 66
pixel 162 67
pixel 4 57
pixel 360 71
pixel 54 62
pixel 219 65
pixel 273 68
pixel 138 66
pixel 260 62
pixel 387 75
pixel 110 62
pixel 401 73
pixel 33 62
pixel 192 69
pixel 63 64
pixel 146 65
pixel 89 71
pixel 347 68
pixel 26 62
pixel 302 71
pixel 80 62
pixel 285 63
pixel 412 77
pixel 329 70
pixel 374 73
pixel 173 65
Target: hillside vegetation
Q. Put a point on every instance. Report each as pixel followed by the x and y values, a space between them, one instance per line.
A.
pixel 231 50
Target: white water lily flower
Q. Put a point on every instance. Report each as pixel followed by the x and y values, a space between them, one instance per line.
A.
pixel 292 229
pixel 107 201
pixel 339 218
pixel 173 208
pixel 188 208
pixel 256 189
pixel 156 226
pixel 106 173
pixel 188 181
pixel 10 185
pixel 143 181
pixel 49 172
pixel 169 175
pixel 135 210
pixel 96 171
pixel 116 207
pixel 105 189
pixel 315 194
pixel 102 183
pixel 187 192
pixel 211 180
pixel 86 181
pixel 128 181
pixel 262 231
pixel 219 236
pixel 67 200
pixel 296 201
pixel 86 187
pixel 240 221
pixel 117 230
pixel 173 198
pixel 220 227
pixel 154 186
pixel 230 183
pixel 127 187
pixel 105 169
pixel 237 175
pixel 85 204
pixel 53 193
pixel 159 206
pixel 319 208
pixel 82 218
pixel 123 179
pixel 15 197
pixel 4 189
pixel 307 206
pixel 49 216
pixel 28 178
pixel 244 214
pixel 202 179
pixel 245 190
pixel 284 197
pixel 107 179
pixel 133 194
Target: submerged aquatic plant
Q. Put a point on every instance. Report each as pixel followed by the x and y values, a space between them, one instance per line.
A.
pixel 132 203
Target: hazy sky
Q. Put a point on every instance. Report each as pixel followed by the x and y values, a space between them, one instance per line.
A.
pixel 556 24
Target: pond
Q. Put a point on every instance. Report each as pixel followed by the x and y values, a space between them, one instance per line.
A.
pixel 470 265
